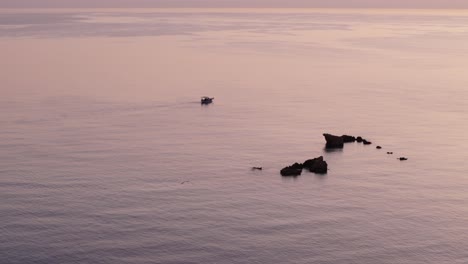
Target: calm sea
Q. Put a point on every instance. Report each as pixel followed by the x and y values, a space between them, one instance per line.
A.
pixel 107 156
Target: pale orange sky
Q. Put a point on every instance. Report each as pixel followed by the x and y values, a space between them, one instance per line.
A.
pixel 238 3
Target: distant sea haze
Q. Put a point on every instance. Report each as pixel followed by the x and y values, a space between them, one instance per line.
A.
pixel 108 156
pixel 423 4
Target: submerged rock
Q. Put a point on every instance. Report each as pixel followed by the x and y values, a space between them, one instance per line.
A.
pixel 257 168
pixel 293 170
pixel 317 165
pixel 365 142
pixel 402 158
pixel 378 147
pixel 333 141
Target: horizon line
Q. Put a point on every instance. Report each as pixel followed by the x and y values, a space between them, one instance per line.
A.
pixel 237 7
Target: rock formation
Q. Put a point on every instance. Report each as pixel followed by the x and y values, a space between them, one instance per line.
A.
pixel 333 141
pixel 293 170
pixel 317 165
pixel 348 139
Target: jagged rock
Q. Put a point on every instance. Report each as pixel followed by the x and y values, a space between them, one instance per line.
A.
pixel 348 139
pixel 333 141
pixel 317 165
pixel 365 142
pixel 293 170
pixel 359 139
pixel 310 162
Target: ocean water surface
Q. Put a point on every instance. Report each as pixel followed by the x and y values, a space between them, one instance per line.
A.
pixel 107 156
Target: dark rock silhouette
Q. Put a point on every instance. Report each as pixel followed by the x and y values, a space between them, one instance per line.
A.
pixel 293 170
pixel 206 100
pixel 348 139
pixel 359 139
pixel 333 141
pixel 257 168
pixel 389 153
pixel 402 158
pixel 365 142
pixel 378 147
pixel 317 165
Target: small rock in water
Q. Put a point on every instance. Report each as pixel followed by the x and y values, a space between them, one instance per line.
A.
pixel 333 141
pixel 359 139
pixel 348 139
pixel 402 158
pixel 365 142
pixel 317 165
pixel 293 170
pixel 378 147
pixel 257 168
pixel 389 153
